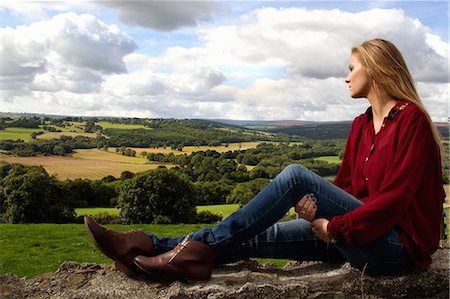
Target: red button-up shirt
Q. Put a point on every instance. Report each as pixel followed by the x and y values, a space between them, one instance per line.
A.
pixel 397 174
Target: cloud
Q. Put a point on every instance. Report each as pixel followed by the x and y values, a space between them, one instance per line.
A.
pixel 68 52
pixel 164 15
pixel 267 64
pixel 317 43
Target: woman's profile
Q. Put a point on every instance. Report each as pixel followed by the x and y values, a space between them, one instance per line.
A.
pixel 382 212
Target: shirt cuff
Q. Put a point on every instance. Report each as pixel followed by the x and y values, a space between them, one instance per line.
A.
pixel 333 230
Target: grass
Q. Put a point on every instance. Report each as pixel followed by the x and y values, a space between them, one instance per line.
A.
pixel 329 159
pixel 57 135
pixel 225 210
pixel 95 211
pixel 17 133
pixel 28 250
pixel 109 125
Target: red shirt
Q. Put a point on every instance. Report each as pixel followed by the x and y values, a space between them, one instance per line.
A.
pixel 397 174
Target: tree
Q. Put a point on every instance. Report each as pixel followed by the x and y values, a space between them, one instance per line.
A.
pixel 214 192
pixel 29 194
pixel 244 192
pixel 160 192
pixel 124 175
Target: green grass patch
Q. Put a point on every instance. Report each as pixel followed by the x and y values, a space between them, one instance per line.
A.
pixel 95 211
pixel 224 210
pixel 18 133
pixel 329 159
pixel 109 125
pixel 28 250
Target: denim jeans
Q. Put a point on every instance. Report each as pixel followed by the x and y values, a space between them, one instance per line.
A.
pixel 254 230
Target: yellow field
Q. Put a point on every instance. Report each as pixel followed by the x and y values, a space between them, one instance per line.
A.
pixel 57 135
pixel 72 167
pixel 189 149
pixel 110 155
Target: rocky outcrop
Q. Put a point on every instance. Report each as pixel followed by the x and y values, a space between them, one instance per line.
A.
pixel 242 280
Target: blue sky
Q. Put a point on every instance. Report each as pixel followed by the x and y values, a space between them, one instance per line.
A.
pixel 210 59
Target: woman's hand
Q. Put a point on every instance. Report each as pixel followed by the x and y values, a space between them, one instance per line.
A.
pixel 306 208
pixel 319 227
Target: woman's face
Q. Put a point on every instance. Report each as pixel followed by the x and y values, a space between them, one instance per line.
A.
pixel 357 79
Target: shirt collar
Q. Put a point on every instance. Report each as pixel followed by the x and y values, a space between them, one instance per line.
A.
pixel 399 106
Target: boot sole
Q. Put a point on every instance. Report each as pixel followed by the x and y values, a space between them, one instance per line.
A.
pixel 128 272
pixel 169 279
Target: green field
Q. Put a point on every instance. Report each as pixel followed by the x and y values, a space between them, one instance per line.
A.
pixel 224 210
pixel 32 249
pixel 109 125
pixel 28 250
pixel 95 211
pixel 329 159
pixel 17 133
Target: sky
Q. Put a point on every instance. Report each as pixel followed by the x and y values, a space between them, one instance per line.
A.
pixel 242 60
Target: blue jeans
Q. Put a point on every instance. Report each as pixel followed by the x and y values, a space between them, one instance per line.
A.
pixel 254 230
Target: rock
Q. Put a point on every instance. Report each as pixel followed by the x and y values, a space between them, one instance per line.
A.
pixel 245 279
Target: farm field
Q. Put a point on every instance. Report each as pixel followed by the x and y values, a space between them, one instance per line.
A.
pixel 57 135
pixel 17 133
pixel 72 167
pixel 110 155
pixel 329 159
pixel 95 164
pixel 190 149
pixel 109 125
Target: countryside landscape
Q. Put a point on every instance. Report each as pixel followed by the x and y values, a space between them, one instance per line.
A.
pixel 55 169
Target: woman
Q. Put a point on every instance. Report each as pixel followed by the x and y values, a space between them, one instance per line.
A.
pixel 382 213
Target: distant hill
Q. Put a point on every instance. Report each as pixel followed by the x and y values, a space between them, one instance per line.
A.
pixel 309 129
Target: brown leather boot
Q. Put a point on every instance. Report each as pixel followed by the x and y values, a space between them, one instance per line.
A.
pixel 189 260
pixel 121 247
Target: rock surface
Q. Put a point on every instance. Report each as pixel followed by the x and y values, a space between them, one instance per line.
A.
pixel 242 280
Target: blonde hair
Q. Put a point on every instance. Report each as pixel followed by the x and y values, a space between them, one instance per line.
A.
pixel 387 71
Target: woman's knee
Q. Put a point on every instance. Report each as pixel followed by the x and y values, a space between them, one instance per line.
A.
pixel 296 169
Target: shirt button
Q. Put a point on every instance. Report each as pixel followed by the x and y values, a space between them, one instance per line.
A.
pixel 367 179
pixel 367 158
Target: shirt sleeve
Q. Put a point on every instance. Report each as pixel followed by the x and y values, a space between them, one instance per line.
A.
pixel 383 209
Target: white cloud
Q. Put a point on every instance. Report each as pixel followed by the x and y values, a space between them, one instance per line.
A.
pixel 268 64
pixel 317 43
pixel 164 15
pixel 68 52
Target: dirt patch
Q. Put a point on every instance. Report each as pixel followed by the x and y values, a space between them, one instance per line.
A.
pixel 246 279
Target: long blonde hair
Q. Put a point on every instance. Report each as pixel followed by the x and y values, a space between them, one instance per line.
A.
pixel 387 70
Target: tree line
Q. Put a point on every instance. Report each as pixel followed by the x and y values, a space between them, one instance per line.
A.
pixel 30 194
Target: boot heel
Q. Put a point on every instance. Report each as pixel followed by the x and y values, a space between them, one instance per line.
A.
pixel 128 272
pixel 200 271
